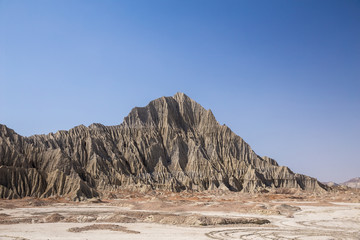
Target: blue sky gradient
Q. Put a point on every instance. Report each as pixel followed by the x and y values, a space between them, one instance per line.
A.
pixel 283 75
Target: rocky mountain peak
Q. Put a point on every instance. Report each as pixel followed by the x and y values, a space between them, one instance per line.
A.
pixel 179 111
pixel 173 143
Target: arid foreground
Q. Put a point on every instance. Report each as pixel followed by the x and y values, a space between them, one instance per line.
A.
pixel 282 214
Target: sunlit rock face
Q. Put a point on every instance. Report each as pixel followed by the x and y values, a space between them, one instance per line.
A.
pixel 171 144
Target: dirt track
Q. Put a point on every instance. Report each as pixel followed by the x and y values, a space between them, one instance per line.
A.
pixel 341 221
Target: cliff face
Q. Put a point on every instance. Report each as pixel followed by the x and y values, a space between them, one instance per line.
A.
pixel 173 144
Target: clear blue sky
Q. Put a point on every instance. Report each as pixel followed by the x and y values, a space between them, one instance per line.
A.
pixel 284 75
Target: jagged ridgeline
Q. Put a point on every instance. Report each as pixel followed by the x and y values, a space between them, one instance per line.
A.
pixel 171 144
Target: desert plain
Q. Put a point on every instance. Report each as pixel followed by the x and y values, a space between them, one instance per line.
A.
pixel 279 214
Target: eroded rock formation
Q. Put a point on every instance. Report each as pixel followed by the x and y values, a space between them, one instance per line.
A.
pixel 353 183
pixel 173 144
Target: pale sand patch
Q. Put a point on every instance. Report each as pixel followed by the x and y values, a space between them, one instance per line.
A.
pixel 59 231
pixel 290 219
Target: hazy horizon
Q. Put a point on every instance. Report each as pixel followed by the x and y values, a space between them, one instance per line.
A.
pixel 283 75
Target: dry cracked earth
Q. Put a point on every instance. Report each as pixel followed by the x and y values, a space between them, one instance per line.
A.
pixel 282 214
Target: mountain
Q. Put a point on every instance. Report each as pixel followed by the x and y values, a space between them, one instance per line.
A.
pixel 330 184
pixel 172 144
pixel 353 183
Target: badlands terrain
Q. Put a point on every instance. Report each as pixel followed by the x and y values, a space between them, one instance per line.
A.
pixel 168 171
pixel 172 144
pixel 278 214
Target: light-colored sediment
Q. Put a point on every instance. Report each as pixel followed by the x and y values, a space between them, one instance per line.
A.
pixel 176 216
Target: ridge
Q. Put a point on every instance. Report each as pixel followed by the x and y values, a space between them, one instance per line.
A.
pixel 173 143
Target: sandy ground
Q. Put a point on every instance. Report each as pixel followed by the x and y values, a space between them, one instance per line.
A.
pixel 185 216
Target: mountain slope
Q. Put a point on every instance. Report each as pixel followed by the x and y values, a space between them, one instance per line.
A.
pixel 353 183
pixel 173 143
